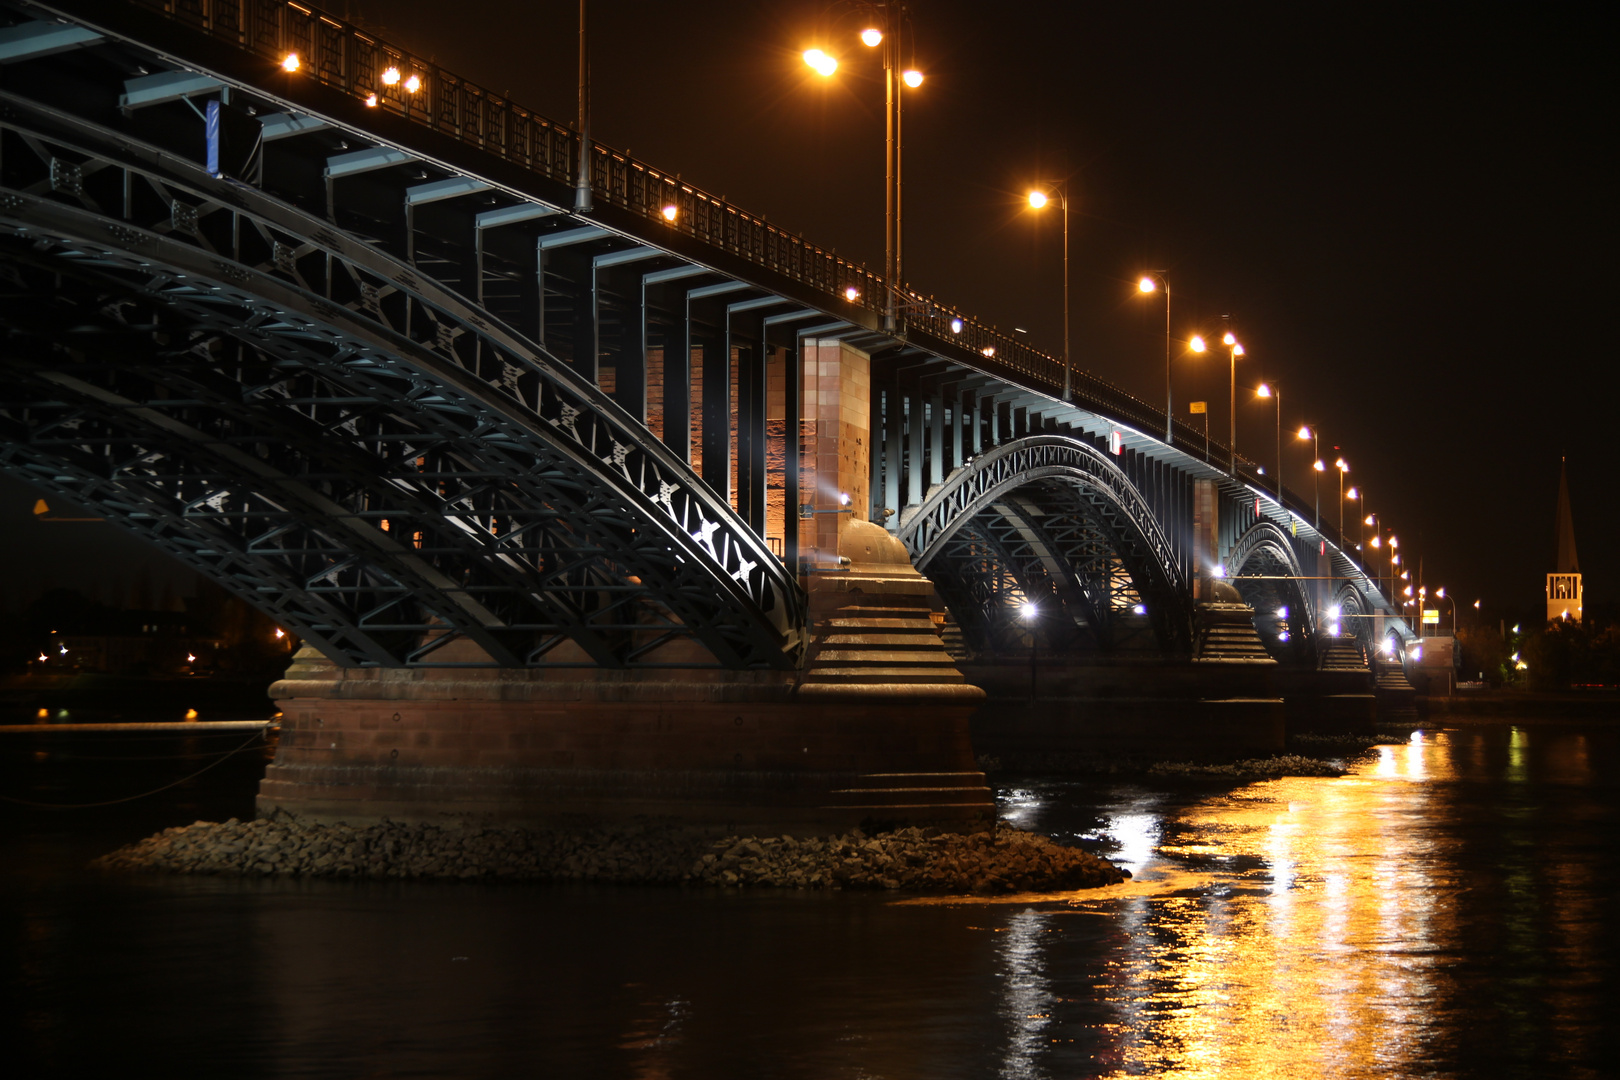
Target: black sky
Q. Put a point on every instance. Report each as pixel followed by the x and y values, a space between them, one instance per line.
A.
pixel 1407 211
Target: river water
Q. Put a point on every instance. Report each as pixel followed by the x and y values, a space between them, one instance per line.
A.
pixel 1445 910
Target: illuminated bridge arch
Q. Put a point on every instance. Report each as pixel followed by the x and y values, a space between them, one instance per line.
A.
pixel 339 440
pixel 1356 610
pixel 1051 519
pixel 1264 566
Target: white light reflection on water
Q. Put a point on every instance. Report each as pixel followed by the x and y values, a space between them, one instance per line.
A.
pixel 1026 998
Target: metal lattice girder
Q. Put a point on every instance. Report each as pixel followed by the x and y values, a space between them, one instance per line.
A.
pixel 1264 566
pixel 985 587
pixel 346 444
pixel 1102 547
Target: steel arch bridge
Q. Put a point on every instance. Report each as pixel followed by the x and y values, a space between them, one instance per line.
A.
pixel 346 348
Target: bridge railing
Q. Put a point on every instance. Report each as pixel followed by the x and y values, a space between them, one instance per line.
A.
pixel 350 59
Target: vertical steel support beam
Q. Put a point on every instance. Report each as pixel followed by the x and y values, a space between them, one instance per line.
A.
pixel 588 327
pixel 749 423
pixel 891 450
pixel 717 414
pixel 936 439
pixel 916 419
pixel 540 293
pixel 715 392
pixel 976 415
pixel 954 460
pixel 677 399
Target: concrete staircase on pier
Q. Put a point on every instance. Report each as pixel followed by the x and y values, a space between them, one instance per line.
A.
pixel 1344 654
pixel 1397 697
pixel 879 644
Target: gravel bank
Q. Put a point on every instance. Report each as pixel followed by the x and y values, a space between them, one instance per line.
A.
pixel 1253 768
pixel 927 860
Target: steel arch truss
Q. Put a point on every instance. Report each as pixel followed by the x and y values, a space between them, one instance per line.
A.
pixel 345 444
pixel 1048 516
pixel 1265 569
pixel 1356 614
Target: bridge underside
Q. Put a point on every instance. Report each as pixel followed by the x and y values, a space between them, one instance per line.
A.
pixel 343 443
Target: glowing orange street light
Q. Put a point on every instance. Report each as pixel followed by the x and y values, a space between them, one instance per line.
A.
pixel 1306 431
pixel 1234 349
pixel 822 63
pixel 1343 468
pixel 1274 390
pixel 1147 284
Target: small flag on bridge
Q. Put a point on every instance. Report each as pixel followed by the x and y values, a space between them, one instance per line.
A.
pixel 1116 443
pixel 235 142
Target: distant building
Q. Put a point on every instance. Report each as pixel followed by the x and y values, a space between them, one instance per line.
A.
pixel 137 643
pixel 1565 597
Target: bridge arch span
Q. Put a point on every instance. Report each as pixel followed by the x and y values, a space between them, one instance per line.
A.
pixel 1049 518
pixel 1265 568
pixel 1355 609
pixel 344 443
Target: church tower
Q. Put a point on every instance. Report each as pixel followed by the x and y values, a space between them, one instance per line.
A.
pixel 1564 596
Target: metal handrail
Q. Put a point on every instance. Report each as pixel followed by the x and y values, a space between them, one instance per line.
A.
pixel 348 58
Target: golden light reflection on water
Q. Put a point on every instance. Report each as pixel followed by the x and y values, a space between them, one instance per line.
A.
pixel 1308 947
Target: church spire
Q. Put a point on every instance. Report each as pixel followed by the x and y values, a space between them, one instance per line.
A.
pixel 1565 596
pixel 1568 562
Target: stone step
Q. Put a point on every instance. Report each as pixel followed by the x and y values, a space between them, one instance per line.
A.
pixel 880 657
pixel 872 640
pixel 908 675
pixel 877 622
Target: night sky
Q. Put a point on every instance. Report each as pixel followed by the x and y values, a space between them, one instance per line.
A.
pixel 1400 209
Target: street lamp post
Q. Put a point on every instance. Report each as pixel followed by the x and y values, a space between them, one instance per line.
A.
pixel 1147 284
pixel 1440 594
pixel 888 36
pixel 1274 390
pixel 1343 468
pixel 1038 199
pixel 1309 431
pixel 1234 349
pixel 582 179
pixel 1031 612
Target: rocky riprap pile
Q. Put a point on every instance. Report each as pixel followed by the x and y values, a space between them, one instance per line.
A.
pixel 918 859
pixel 1253 768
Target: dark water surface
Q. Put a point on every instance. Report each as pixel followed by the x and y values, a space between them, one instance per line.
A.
pixel 1447 910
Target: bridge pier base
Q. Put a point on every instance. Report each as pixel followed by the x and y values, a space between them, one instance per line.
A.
pixel 874 732
pixel 733 755
pixel 1085 715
